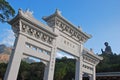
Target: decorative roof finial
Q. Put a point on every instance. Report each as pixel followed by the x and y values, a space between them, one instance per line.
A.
pixel 20 11
pixel 58 12
pixel 28 12
pixel 91 49
pixel 79 27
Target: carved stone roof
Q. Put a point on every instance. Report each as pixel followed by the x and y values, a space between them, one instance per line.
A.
pixel 27 15
pixel 78 34
pixel 58 15
pixel 91 53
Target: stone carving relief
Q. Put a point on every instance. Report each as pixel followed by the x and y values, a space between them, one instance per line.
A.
pixel 88 59
pixel 87 67
pixel 51 23
pixel 16 28
pixel 35 48
pixel 70 31
pixel 37 34
pixel 24 28
pixel 68 43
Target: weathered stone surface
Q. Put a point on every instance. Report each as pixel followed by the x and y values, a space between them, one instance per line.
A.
pixel 32 37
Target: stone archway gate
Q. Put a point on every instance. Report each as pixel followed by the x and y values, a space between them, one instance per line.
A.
pixel 59 34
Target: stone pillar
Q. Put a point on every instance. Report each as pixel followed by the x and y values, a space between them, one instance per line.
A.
pixel 49 68
pixel 93 76
pixel 78 73
pixel 94 73
pixel 15 58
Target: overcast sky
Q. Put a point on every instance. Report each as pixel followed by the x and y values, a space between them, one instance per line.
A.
pixel 100 18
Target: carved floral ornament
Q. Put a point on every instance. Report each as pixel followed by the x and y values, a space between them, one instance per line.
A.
pixel 15 27
pixel 37 34
pixel 69 30
pixel 87 67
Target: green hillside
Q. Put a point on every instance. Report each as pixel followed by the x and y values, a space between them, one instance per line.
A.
pixel 110 63
pixel 64 68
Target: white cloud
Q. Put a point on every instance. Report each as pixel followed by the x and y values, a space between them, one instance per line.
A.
pixel 7 37
pixel 61 54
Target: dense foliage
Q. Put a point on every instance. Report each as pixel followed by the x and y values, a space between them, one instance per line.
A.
pixel 64 68
pixel 111 63
pixel 6 11
pixel 3 67
pixel 33 71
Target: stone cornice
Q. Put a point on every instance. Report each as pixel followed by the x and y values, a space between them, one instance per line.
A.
pixel 90 53
pixel 26 24
pixel 22 15
pixel 72 31
pixel 62 23
pixel 90 57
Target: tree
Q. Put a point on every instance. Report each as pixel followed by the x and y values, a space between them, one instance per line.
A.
pixel 24 71
pixel 110 63
pixel 31 71
pixel 60 71
pixel 64 69
pixel 3 67
pixel 6 11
